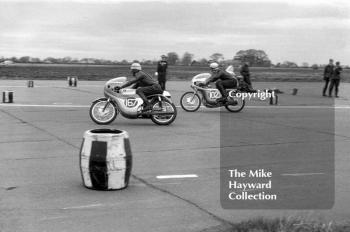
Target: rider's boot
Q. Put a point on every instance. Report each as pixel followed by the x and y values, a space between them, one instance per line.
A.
pixel 146 107
pixel 222 99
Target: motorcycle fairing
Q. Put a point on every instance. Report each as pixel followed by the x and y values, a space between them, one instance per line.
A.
pixel 209 94
pixel 200 78
pixel 128 102
pixel 118 81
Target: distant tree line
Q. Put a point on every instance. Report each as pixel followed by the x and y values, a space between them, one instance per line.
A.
pixel 254 57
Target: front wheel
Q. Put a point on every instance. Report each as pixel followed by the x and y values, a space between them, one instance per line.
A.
pixel 235 104
pixel 103 112
pixel 163 112
pixel 190 101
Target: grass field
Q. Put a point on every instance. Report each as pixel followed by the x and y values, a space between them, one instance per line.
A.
pixel 105 72
pixel 288 225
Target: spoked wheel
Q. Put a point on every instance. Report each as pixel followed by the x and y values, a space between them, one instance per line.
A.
pixel 103 112
pixel 163 112
pixel 190 101
pixel 235 104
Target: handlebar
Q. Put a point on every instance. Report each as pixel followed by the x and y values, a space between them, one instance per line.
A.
pixel 116 89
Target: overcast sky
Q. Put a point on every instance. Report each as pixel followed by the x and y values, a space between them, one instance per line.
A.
pixel 299 31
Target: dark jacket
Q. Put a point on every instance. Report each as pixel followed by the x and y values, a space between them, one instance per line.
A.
pixel 142 80
pixel 162 66
pixel 328 71
pixel 245 71
pixel 336 73
pixel 220 75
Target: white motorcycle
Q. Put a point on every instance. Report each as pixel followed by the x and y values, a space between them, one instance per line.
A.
pixel 192 100
pixel 129 104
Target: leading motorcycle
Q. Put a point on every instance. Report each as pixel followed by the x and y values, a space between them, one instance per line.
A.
pixel 130 105
pixel 192 100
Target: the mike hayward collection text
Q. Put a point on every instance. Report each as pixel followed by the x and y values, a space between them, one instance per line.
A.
pixel 259 180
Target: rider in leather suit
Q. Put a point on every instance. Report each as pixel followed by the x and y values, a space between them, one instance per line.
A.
pixel 145 85
pixel 224 80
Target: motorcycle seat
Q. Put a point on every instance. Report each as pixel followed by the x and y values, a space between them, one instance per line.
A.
pixel 154 95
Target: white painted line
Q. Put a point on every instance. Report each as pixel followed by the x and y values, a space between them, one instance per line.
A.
pixel 200 107
pixel 34 105
pixel 342 107
pixel 299 107
pixel 46 86
pixel 12 86
pixel 290 107
pixel 62 103
pixel 18 86
pixel 177 176
pixel 302 174
pixel 81 85
pixel 70 105
pixel 53 218
pixel 83 206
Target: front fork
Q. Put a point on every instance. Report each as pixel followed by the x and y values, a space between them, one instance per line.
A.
pixel 195 92
pixel 160 102
pixel 107 103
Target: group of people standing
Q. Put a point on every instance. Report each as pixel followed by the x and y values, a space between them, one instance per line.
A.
pixel 332 74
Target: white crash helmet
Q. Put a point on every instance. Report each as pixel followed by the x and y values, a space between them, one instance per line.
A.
pixel 214 66
pixel 135 66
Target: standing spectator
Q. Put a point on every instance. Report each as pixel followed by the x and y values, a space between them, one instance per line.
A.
pixel 246 74
pixel 244 71
pixel 161 71
pixel 335 79
pixel 328 72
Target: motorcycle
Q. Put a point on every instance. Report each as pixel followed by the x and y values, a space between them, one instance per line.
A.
pixel 130 105
pixel 191 101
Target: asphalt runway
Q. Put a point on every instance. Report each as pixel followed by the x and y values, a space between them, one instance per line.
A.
pixel 41 133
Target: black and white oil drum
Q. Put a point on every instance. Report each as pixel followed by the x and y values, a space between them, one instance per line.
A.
pixel 105 159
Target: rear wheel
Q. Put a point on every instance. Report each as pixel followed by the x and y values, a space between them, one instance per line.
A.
pixel 235 104
pixel 190 101
pixel 103 112
pixel 167 112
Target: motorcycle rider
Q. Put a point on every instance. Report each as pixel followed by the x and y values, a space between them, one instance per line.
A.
pixel 224 80
pixel 145 85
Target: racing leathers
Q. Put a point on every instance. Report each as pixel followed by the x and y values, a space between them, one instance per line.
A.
pixel 146 86
pixel 224 80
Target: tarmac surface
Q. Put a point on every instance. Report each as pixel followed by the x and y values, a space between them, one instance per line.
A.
pixel 41 134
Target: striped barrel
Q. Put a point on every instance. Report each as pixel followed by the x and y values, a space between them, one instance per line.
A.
pixel 30 84
pixel 273 98
pixel 294 91
pixel 105 159
pixel 72 81
pixel 7 96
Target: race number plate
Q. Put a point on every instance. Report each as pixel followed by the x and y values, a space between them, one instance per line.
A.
pixel 130 102
pixel 214 94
